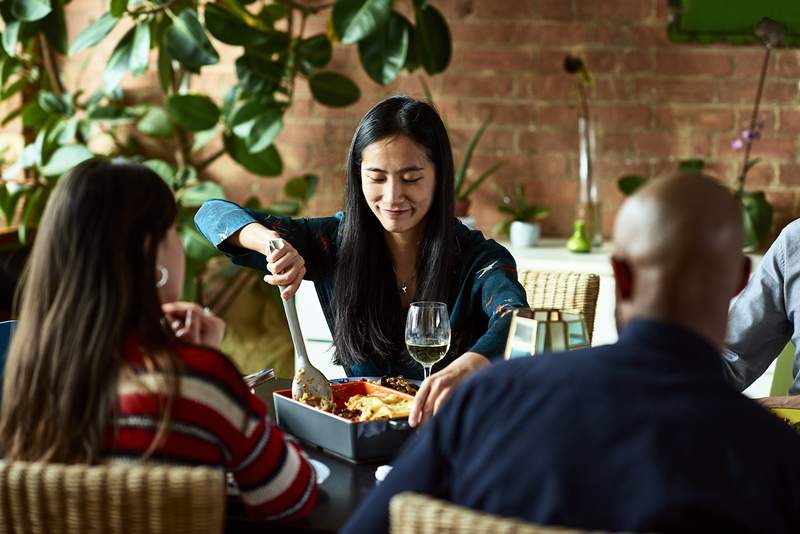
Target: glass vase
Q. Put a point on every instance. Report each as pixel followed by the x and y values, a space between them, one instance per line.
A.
pixel 588 198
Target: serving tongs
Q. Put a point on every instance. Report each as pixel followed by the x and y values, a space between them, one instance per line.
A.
pixel 308 381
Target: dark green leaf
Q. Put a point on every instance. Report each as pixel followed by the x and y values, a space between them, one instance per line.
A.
pixel 432 39
pixel 164 69
pixel 229 100
pixel 333 89
pixel 118 8
pixel 111 115
pixel 691 165
pixel 163 169
pixel 314 52
pixel 155 123
pixel 188 44
pixel 461 174
pixel 55 28
pixel 480 179
pixel 140 53
pixel 29 10
pixel 53 103
pixel 419 4
pixel 302 188
pixel 232 29
pixel 383 53
pixel 286 208
pixel 10 193
pixel 244 117
pixel 33 116
pixel 272 13
pixel 66 134
pixel 195 196
pixel 34 204
pixel 65 158
pixel 193 112
pixel 95 33
pixel 185 175
pixel 118 64
pixel 353 20
pixel 14 88
pixel 630 183
pixel 258 75
pixel 265 129
pixel 10 37
pixel 412 57
pixel 757 215
pixel 265 163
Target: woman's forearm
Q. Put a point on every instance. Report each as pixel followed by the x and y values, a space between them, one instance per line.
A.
pixel 254 236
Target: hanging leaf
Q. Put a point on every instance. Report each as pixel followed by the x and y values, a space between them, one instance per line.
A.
pixel 193 112
pixel 412 56
pixel 66 158
pixel 333 89
pixel 265 163
pixel 55 28
pixel 118 8
pixel 258 75
pixel 165 72
pixel 314 52
pixel 302 188
pixel 232 29
pixel 353 20
pixel 434 47
pixel 95 33
pixel 265 129
pixel 163 169
pixel 111 115
pixel 195 196
pixel 272 13
pixel 140 52
pixel 33 116
pixel 29 10
pixel 244 117
pixel 155 123
pixel 118 64
pixel 383 53
pixel 53 103
pixel 188 44
pixel 10 194
pixel 10 37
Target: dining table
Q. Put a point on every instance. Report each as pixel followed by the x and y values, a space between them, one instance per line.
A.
pixel 338 495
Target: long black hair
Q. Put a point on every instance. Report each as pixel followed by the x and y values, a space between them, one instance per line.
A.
pixel 369 319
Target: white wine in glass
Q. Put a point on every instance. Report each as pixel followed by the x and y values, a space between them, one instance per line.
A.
pixel 427 333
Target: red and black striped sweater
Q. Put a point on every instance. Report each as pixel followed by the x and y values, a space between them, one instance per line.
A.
pixel 216 420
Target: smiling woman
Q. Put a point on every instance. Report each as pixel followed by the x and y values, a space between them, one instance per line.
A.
pixel 397 241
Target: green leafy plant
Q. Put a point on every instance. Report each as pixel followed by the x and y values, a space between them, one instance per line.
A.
pixel 516 208
pixel 63 126
pixel 630 183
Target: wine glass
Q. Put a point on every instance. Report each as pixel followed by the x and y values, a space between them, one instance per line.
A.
pixel 427 333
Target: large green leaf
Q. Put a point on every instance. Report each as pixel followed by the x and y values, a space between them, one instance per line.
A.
pixel 10 194
pixel 244 116
pixel 258 75
pixel 383 53
pixel 195 196
pixel 188 43
pixel 94 33
pixel 266 128
pixel 272 13
pixel 353 20
pixel 412 57
pixel 432 39
pixel 193 112
pixel 112 115
pixel 232 29
pixel 29 10
pixel 314 52
pixel 757 215
pixel 55 28
pixel 165 72
pixel 155 123
pixel 333 89
pixel 140 52
pixel 163 169
pixel 10 37
pixel 33 116
pixel 118 7
pixel 53 103
pixel 302 188
pixel 265 163
pixel 119 62
pixel 66 158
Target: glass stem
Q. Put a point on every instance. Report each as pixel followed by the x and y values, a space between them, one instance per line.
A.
pixel 426 371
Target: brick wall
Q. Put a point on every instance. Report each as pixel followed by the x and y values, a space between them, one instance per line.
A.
pixel 654 102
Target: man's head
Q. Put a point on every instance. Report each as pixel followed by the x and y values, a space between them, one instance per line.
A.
pixel 678 254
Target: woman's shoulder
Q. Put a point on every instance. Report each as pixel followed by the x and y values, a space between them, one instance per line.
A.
pixel 472 243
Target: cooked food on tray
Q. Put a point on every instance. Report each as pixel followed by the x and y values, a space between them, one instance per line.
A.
pixel 364 400
pixel 378 406
pixel 398 383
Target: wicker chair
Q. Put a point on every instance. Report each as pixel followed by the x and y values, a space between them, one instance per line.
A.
pixel 575 291
pixel 120 498
pixel 411 513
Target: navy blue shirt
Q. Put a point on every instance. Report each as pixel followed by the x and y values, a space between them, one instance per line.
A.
pixel 487 290
pixel 644 435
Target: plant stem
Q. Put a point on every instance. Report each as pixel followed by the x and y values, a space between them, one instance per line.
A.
pixel 210 159
pixel 152 10
pixel 308 10
pixel 754 119
pixel 50 66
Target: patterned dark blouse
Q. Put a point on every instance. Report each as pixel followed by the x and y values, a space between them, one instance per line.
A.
pixel 480 313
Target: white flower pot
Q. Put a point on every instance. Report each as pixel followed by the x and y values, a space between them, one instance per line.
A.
pixel 524 234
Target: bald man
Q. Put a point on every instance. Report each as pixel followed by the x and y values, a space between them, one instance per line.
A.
pixel 644 435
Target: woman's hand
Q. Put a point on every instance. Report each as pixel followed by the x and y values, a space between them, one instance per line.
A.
pixel 194 324
pixel 438 387
pixel 288 269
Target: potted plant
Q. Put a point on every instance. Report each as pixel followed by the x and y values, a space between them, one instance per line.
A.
pixel 521 224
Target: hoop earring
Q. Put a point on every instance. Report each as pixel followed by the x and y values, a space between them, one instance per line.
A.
pixel 164 276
